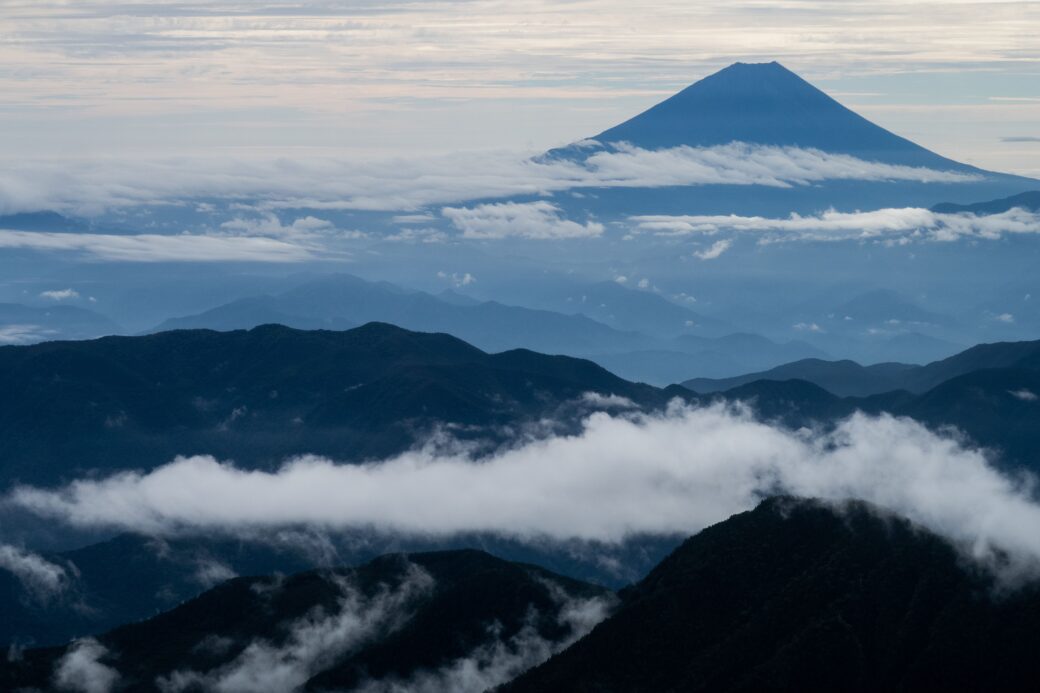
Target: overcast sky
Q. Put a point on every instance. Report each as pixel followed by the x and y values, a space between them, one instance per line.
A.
pixel 361 78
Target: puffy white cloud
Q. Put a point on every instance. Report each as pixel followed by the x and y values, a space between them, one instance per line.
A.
pixel 693 466
pixel 1024 395
pixel 424 235
pixel 717 249
pixel 537 220
pixel 159 248
pixel 808 327
pixel 81 670
pixel 38 576
pixel 60 294
pixel 270 225
pixel 908 223
pixel 601 401
pixel 1005 317
pixel 456 279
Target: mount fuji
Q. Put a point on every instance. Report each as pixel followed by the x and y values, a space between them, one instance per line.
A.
pixel 768 104
pixel 765 105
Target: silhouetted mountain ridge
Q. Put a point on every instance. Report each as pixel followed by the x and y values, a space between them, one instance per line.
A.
pixel 797 595
pixel 261 395
pixel 848 378
pixel 1029 201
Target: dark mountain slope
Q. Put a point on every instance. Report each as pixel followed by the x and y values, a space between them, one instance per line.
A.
pixel 390 619
pixel 130 577
pixel 850 378
pixel 794 596
pixel 998 409
pixel 258 396
pixel 842 378
pixel 999 355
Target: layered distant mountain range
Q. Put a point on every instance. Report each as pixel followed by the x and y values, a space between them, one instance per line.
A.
pixel 691 404
pixel 749 203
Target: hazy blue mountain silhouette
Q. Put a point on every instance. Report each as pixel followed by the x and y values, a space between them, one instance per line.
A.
pixel 850 378
pixel 637 334
pixel 1027 200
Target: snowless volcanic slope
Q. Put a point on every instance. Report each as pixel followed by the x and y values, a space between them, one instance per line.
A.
pixel 767 104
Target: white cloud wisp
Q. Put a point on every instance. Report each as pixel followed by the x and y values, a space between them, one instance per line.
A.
pixel 40 577
pixel 909 223
pixel 158 248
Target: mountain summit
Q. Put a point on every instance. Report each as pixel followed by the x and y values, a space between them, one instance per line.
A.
pixel 765 103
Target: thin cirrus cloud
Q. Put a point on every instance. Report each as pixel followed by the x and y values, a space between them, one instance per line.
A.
pixel 714 251
pixel 909 223
pixel 411 184
pixel 158 248
pixel 694 466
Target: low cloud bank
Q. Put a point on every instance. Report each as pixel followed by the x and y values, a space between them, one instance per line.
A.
pixel 896 224
pixel 623 475
pixel 411 184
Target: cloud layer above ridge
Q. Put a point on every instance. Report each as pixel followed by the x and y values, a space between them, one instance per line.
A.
pixel 623 475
